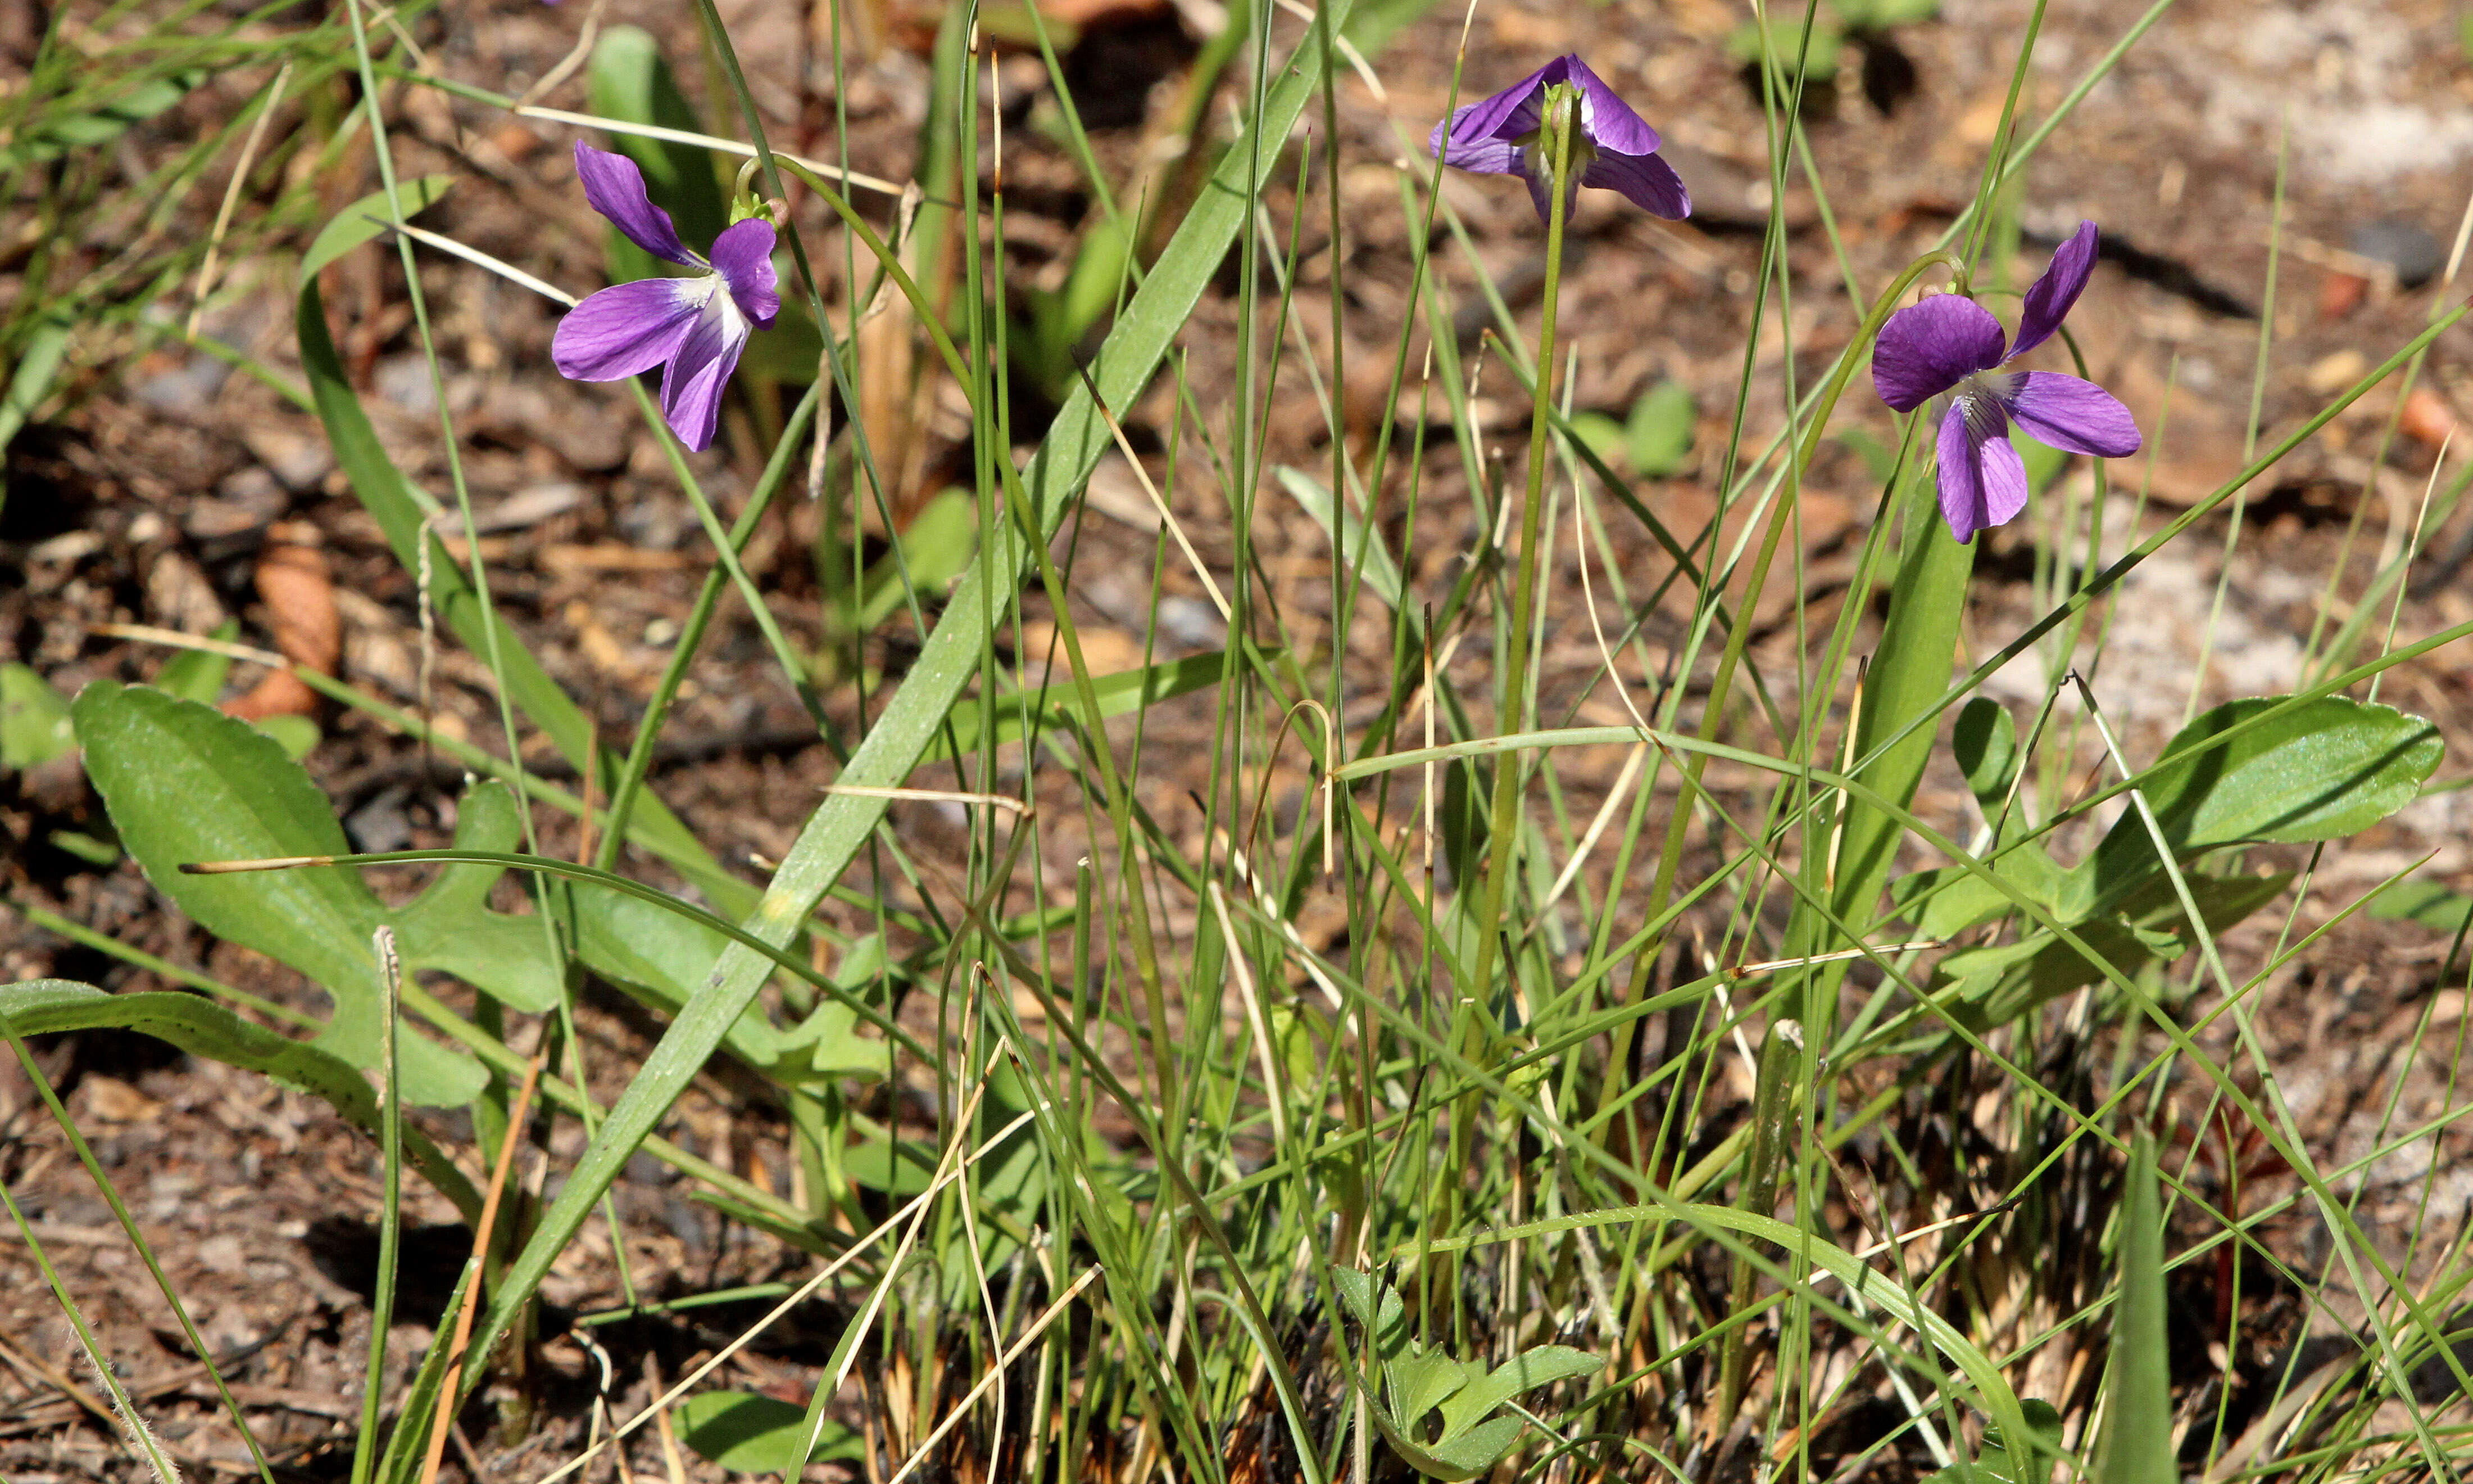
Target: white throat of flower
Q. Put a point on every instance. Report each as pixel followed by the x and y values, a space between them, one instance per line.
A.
pixel 1980 398
pixel 712 296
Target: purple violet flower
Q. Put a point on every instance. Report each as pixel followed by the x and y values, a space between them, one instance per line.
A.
pixel 1950 347
pixel 693 327
pixel 1613 147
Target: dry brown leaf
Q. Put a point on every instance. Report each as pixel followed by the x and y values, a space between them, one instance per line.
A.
pixel 2427 418
pixel 293 582
pixel 2340 293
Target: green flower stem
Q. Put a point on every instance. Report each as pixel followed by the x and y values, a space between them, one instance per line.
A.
pixel 1561 109
pixel 640 754
pixel 1474 1013
pixel 1773 1108
pixel 1911 667
pixel 1671 857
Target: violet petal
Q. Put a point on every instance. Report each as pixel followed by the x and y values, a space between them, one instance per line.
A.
pixel 1607 119
pixel 2073 415
pixel 1982 480
pixel 615 188
pixel 691 388
pixel 1927 347
pixel 1483 157
pixel 743 255
pixel 1511 113
pixel 1531 169
pixel 1647 181
pixel 627 328
pixel 2049 298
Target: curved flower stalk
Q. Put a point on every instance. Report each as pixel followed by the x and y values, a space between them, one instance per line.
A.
pixel 693 328
pixel 1613 148
pixel 1951 347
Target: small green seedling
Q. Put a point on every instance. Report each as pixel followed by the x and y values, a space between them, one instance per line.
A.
pixel 1436 1412
pixel 1654 442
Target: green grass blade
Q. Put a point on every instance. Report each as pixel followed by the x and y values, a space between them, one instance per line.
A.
pixel 2138 1392
pixel 403 513
pixel 951 656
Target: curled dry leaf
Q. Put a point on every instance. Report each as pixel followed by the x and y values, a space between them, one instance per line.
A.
pixel 2427 418
pixel 2340 293
pixel 293 582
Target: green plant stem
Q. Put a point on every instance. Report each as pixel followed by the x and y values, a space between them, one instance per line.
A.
pixel 640 755
pixel 1773 1105
pixel 389 1215
pixel 1561 109
pixel 1671 856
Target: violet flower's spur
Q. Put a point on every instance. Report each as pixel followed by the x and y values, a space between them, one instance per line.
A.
pixel 1951 347
pixel 1613 148
pixel 693 328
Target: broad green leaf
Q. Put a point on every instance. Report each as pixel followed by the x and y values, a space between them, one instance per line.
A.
pixel 1049 706
pixel 34 726
pixel 2000 984
pixel 1540 1366
pixel 297 735
pixel 1012 1185
pixel 949 659
pixel 1381 573
pixel 662 959
pixel 1984 741
pixel 1422 1380
pixel 84 121
pixel 1049 343
pixel 1091 289
pixel 1602 435
pixel 900 1168
pixel 203 1028
pixel 1911 671
pixel 827 1045
pixel 1657 437
pixel 503 955
pixel 1465 1455
pixel 450 927
pixel 2137 1447
pixel 2031 1463
pixel 1372 25
pixel 1948 899
pixel 2043 461
pixel 1465 1439
pixel 367 218
pixel 186 783
pixel 935 548
pixel 1783 42
pixel 45 348
pixel 1375 1307
pixel 1882 14
pixel 2424 901
pixel 487 819
pixel 748 1432
pixel 199 674
pixel 2319 771
pixel 1880 459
